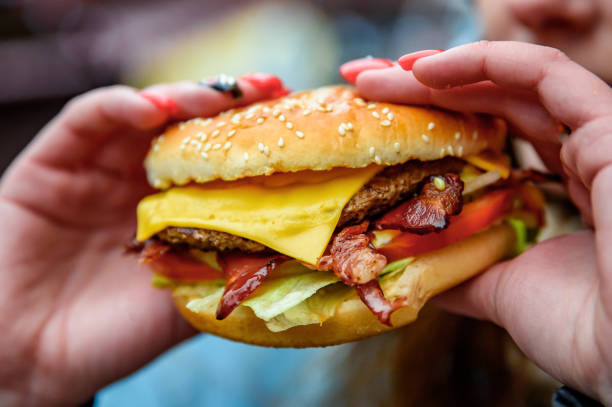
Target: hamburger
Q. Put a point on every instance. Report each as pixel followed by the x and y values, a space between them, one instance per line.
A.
pixel 321 218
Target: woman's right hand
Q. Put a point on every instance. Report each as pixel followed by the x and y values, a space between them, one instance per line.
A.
pixel 556 298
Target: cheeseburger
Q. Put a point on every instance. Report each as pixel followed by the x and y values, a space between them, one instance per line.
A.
pixel 321 218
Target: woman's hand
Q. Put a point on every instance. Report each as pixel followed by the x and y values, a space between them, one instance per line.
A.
pixel 77 313
pixel 556 298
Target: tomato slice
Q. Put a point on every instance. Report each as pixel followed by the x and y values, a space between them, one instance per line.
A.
pixel 474 217
pixel 179 266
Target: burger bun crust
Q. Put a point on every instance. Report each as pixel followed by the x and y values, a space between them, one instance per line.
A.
pixel 314 130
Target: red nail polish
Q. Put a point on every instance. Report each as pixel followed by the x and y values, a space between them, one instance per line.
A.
pixel 163 102
pixel 408 60
pixel 350 70
pixel 266 83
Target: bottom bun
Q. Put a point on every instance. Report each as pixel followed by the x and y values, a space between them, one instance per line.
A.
pixel 427 276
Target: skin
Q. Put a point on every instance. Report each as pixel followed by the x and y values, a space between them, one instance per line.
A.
pixel 555 299
pixel 580 28
pixel 77 312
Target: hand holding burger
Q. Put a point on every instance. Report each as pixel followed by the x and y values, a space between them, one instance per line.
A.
pixel 77 313
pixel 555 299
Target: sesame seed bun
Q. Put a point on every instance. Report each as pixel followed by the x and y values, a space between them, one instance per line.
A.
pixel 427 276
pixel 318 129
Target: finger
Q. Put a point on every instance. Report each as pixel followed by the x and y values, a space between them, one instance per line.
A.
pixel 523 296
pixel 602 217
pixel 522 66
pixel 589 149
pixel 519 107
pixel 89 121
pixel 193 99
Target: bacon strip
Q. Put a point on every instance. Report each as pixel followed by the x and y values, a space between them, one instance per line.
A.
pixel 431 210
pixel 176 264
pixel 352 258
pixel 244 273
pixel 372 296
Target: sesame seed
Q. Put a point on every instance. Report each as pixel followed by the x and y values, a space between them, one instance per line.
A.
pixel 377 159
pixel 182 147
pixel 385 123
pixel 260 120
pixel 475 135
pixel 246 156
pixel 281 118
pixel 376 115
pixel 207 122
pixel 266 109
pixel 342 130
pixel 372 106
pixel 266 150
pixel 450 150
pixel 207 147
pixel 372 151
pixel 260 147
pixel 385 110
pixel 299 134
pixel 220 124
pixel 390 116
pixel 204 155
pixel 307 112
pixel 236 119
pixel 216 146
pixel 320 100
pixel 349 126
pixel 202 136
pixel 194 142
pixel 181 126
pixel 215 133
pixel 249 115
pixel 431 126
pixel 425 138
pixel 227 145
pixel 281 142
pixel 231 133
pixel 359 102
pixel 329 108
pixel 397 147
pixel 155 147
pixel 442 151
pixel 457 136
pixel 460 151
pixel 276 113
pixel 289 125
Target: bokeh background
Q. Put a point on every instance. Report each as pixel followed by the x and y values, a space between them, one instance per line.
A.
pixel 52 50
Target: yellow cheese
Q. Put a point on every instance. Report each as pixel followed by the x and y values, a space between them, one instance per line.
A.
pixel 295 216
pixel 491 161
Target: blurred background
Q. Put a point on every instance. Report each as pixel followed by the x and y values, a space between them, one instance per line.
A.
pixel 52 50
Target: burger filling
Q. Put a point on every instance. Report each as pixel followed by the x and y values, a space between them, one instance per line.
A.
pixel 382 192
pixel 396 214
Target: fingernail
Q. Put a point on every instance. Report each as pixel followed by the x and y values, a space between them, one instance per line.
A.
pixel 408 60
pixel 350 70
pixel 223 83
pixel 266 83
pixel 163 102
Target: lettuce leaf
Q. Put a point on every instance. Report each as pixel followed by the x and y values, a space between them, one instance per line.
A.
pixel 294 295
pixel 520 230
pixel 277 295
pixel 313 310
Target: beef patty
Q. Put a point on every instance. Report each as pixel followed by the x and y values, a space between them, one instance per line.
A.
pixel 382 192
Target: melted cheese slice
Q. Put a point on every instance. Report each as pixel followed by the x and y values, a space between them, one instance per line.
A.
pixel 293 215
pixel 491 161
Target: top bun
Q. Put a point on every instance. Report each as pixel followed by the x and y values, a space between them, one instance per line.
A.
pixel 318 130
